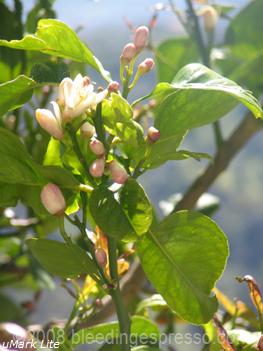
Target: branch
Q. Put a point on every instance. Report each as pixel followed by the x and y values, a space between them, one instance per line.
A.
pixel 226 152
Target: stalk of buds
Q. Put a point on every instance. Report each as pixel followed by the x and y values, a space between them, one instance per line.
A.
pixel 210 17
pixel 153 134
pixel 141 38
pixel 87 130
pixel 118 172
pixel 53 199
pixel 97 167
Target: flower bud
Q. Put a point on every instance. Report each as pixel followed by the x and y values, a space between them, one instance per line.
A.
pixel 97 147
pixel 260 343
pixel 146 66
pixel 153 134
pixel 118 172
pixel 128 53
pixel 141 37
pixel 114 87
pixel 49 123
pixel 53 199
pixel 87 130
pixel 101 257
pixel 210 17
pixel 96 169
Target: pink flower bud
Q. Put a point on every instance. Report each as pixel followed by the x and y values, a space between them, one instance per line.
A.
pixel 97 147
pixel 141 37
pixel 87 130
pixel 153 134
pixel 210 17
pixel 128 53
pixel 49 123
pixel 96 169
pixel 260 343
pixel 53 199
pixel 101 257
pixel 118 172
pixel 146 66
pixel 114 87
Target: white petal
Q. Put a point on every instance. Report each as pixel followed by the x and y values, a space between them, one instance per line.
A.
pixel 101 96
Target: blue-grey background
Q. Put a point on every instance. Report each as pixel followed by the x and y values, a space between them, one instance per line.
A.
pixel 240 188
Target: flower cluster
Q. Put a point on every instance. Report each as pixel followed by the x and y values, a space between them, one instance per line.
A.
pixel 75 97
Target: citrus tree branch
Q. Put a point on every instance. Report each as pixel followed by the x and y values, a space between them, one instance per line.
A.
pixel 225 154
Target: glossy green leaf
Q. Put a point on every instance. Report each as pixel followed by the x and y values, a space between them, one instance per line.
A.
pixel 172 54
pixel 15 93
pixel 60 176
pixel 136 206
pixel 64 260
pixel 197 96
pixel 17 165
pixel 55 38
pixel 183 257
pixel 100 332
pixel 109 215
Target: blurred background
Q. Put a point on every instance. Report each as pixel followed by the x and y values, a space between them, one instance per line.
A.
pixel 102 25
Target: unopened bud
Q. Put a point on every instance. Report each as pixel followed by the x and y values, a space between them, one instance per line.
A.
pixel 210 17
pixel 118 172
pixel 153 134
pixel 87 130
pixel 114 87
pixel 146 66
pixel 141 37
pixel 97 147
pixel 53 199
pixel 101 257
pixel 99 303
pixel 260 343
pixel 128 53
pixel 96 169
pixel 49 123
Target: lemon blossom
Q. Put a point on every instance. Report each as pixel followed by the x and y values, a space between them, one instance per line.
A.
pixel 78 96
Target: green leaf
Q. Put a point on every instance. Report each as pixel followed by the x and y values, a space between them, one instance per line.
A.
pixel 136 206
pixel 117 117
pixel 197 96
pixel 60 176
pixel 246 28
pixel 64 260
pixel 55 38
pixel 15 93
pixel 100 332
pixel 50 72
pixel 17 165
pixel 145 348
pixel 10 311
pixel 183 257
pixel 9 195
pixel 172 54
pixel 154 301
pixel 109 215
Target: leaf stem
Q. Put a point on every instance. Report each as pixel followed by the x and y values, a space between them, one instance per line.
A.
pixel 115 293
